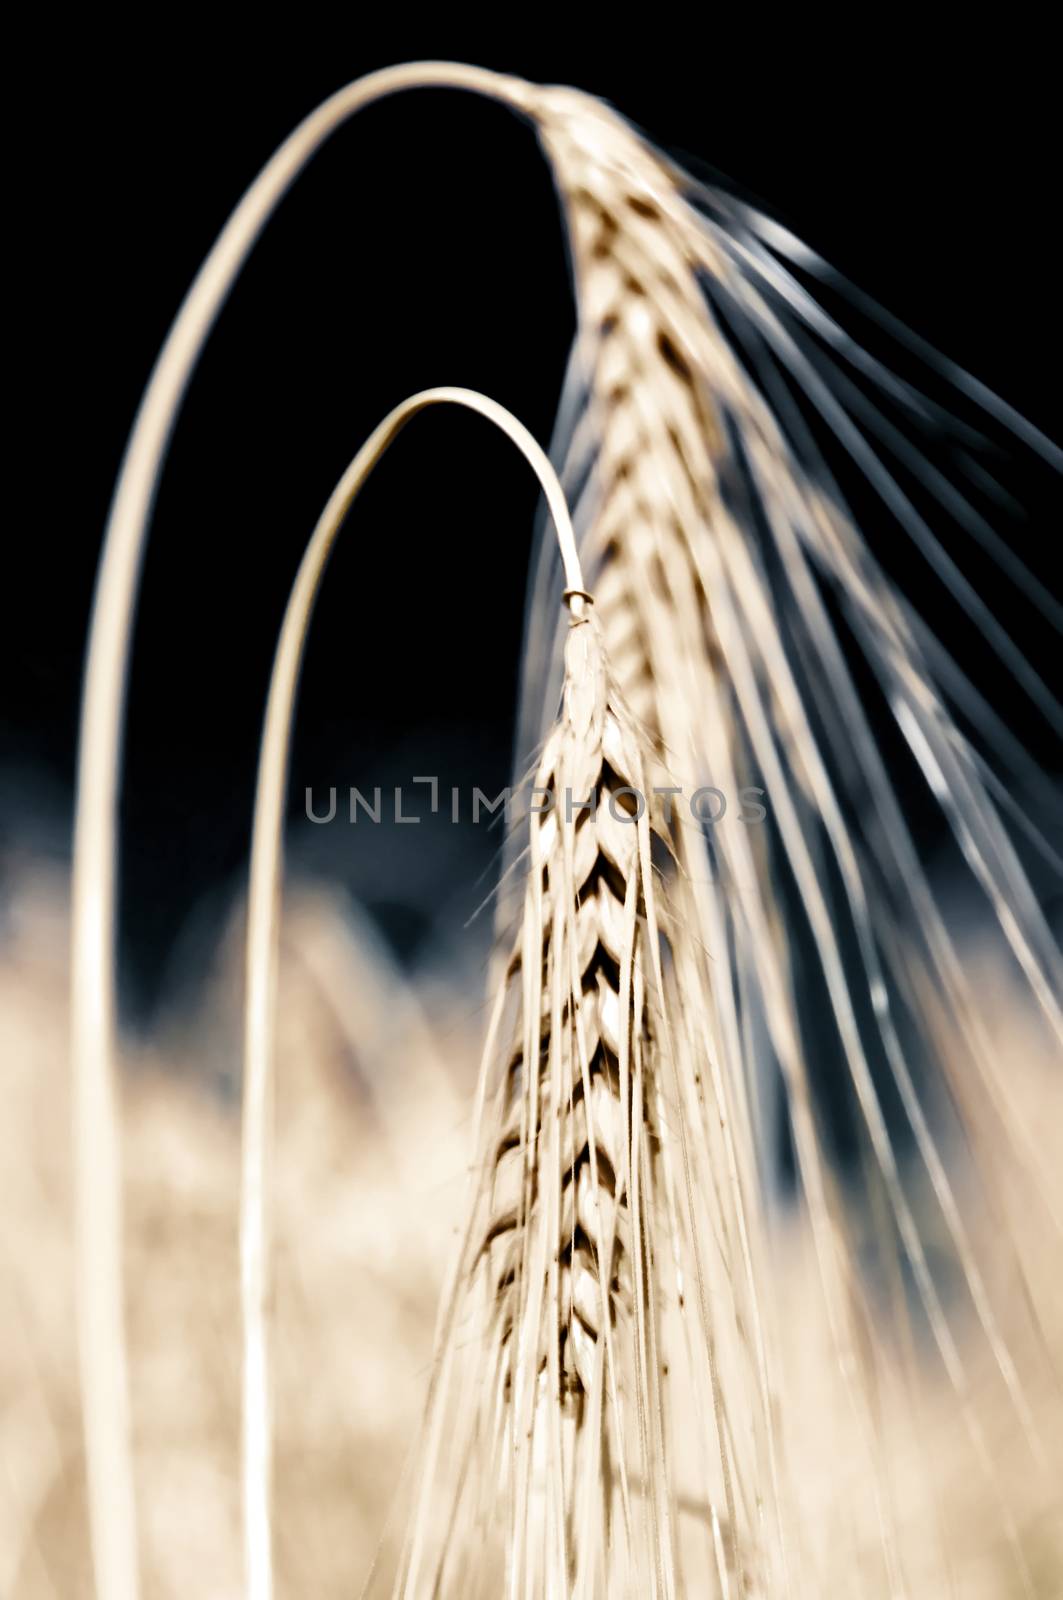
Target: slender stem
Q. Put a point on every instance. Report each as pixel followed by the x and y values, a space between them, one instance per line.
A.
pixel 101 1337
pixel 263 930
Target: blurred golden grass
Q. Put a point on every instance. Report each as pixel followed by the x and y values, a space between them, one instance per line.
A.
pixel 372 1146
pixel 368 1171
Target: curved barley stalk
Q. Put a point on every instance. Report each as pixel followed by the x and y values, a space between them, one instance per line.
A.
pixel 104 1386
pixel 263 935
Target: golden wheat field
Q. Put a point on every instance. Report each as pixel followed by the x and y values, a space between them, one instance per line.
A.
pixel 712 1247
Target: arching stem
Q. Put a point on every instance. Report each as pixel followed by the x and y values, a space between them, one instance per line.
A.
pixel 97 1188
pixel 263 931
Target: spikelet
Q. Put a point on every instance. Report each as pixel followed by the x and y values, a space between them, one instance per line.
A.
pixel 603 1271
pixel 709 521
pixel 651 419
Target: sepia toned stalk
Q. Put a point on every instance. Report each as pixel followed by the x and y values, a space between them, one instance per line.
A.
pixel 263 934
pixel 104 1384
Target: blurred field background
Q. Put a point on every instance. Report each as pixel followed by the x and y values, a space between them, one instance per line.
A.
pixel 372 1148
pixel 371 1117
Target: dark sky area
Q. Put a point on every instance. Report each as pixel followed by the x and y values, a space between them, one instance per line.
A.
pixel 422 247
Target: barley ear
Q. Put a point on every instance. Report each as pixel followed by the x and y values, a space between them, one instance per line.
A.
pixel 712 527
pixel 606 1292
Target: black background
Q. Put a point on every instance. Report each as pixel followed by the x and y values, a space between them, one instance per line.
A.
pixel 422 247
